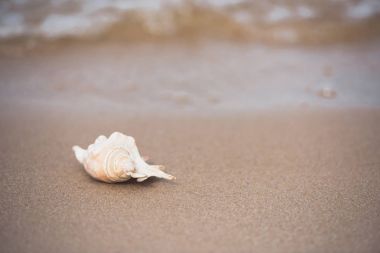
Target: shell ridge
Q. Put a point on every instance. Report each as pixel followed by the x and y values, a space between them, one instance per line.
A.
pixel 116 159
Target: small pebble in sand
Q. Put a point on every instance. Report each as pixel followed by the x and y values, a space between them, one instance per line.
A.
pixel 327 92
pixel 304 105
pixel 131 88
pixel 213 99
pixel 182 99
pixel 328 70
pixel 60 87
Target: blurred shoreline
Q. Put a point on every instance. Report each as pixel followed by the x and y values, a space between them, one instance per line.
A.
pixel 286 23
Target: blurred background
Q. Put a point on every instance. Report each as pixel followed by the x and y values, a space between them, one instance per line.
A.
pixel 287 21
pixel 267 112
pixel 191 56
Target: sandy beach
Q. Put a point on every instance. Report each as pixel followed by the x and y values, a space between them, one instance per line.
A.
pixel 290 181
pixel 274 137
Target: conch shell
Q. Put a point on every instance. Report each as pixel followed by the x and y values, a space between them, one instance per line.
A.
pixel 117 159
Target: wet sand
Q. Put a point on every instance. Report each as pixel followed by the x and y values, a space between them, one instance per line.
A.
pixel 204 77
pixel 290 181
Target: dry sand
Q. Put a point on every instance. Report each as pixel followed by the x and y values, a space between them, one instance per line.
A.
pixel 300 181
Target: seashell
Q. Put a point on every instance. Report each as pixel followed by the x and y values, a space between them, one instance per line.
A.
pixel 117 159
